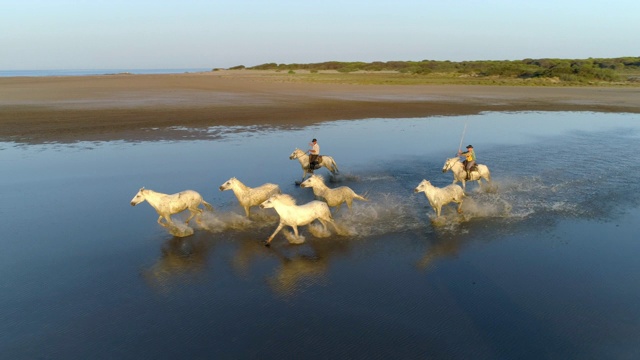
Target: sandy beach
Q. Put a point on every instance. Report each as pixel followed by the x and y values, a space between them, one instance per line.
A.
pixel 150 107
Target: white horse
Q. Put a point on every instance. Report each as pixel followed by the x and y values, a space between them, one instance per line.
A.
pixel 333 197
pixel 438 197
pixel 460 174
pixel 167 205
pixel 303 158
pixel 247 196
pixel 297 215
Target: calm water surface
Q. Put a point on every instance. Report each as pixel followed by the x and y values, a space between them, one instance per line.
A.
pixel 542 265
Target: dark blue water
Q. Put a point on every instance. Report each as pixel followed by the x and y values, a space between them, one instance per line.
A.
pixel 86 72
pixel 542 265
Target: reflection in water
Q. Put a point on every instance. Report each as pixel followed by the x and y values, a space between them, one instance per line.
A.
pixel 184 260
pixel 442 247
pixel 299 267
pixel 180 258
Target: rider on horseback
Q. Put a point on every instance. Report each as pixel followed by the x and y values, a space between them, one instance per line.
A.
pixel 470 160
pixel 313 154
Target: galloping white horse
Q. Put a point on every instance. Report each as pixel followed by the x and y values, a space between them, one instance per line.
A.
pixel 333 197
pixel 438 197
pixel 303 158
pixel 460 174
pixel 167 205
pixel 247 196
pixel 297 215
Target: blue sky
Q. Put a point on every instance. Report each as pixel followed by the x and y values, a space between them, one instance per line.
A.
pixel 103 34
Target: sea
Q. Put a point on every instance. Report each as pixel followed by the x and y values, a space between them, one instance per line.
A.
pixel 88 72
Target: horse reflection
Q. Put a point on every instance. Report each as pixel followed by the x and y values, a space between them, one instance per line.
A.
pixel 441 248
pixel 447 243
pixel 297 266
pixel 300 269
pixel 179 257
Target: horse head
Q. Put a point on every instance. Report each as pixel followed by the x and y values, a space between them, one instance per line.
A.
pixel 422 186
pixel 311 181
pixel 138 198
pixel 228 184
pixel 296 154
pixel 269 203
pixel 450 163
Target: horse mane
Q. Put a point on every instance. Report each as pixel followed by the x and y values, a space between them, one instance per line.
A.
pixel 319 177
pixel 455 159
pixel 286 199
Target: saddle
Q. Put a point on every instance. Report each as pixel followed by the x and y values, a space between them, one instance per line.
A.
pixel 473 168
pixel 318 162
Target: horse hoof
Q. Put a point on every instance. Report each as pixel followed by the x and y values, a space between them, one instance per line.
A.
pixel 267 244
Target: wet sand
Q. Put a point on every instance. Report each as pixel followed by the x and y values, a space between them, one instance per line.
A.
pixel 151 107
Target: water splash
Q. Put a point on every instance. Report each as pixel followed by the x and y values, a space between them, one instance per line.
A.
pixel 384 213
pixel 217 222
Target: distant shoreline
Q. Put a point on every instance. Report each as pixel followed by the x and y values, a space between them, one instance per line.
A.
pixel 127 107
pixel 97 72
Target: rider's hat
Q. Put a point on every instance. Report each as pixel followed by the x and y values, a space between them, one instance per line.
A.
pixel 469 146
pixel 314 140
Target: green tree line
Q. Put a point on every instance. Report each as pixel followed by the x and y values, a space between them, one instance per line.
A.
pixel 570 70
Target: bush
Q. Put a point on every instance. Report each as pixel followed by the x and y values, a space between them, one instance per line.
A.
pixel 568 70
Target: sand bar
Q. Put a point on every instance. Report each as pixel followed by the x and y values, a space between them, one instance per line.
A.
pixel 150 107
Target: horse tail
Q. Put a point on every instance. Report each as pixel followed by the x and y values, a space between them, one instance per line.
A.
pixel 488 174
pixel 333 167
pixel 207 205
pixel 360 197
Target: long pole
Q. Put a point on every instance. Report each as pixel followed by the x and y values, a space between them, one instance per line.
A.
pixel 462 138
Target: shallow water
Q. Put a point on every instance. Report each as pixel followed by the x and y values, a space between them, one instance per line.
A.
pixel 540 265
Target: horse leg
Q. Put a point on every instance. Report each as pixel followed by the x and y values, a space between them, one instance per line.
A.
pixel 191 215
pixel 328 220
pixel 335 227
pixel 167 220
pixel 192 212
pixel 246 210
pixel 280 226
